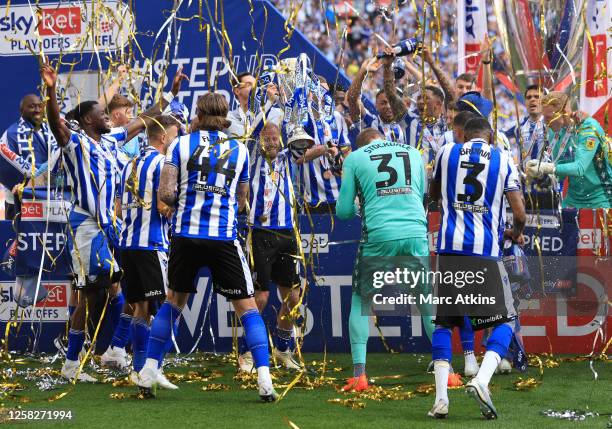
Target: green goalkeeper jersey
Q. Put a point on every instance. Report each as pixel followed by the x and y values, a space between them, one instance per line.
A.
pixel 585 157
pixel 389 180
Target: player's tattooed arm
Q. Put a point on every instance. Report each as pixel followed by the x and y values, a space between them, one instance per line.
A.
pixel 397 104
pixel 58 127
pixel 519 217
pixel 441 75
pixel 353 94
pixel 167 185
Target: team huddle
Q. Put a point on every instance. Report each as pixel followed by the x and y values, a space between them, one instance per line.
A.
pixel 157 198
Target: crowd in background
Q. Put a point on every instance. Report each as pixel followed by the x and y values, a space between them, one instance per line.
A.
pixel 324 24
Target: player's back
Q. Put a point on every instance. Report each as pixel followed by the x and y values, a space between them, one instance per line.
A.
pixel 473 177
pixel 390 181
pixel 210 165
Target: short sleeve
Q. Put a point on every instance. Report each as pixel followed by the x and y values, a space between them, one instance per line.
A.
pixel 73 143
pixel 368 118
pixel 437 173
pixel 119 134
pixel 513 181
pixel 173 155
pixel 244 173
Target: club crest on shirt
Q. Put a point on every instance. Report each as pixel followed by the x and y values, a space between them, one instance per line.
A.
pixel 590 143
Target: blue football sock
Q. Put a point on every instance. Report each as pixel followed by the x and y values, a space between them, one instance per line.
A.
pixel 169 343
pixel 441 344
pixel 256 337
pixel 113 310
pixel 466 332
pixel 122 331
pixel 284 339
pixel 242 345
pixel 161 330
pixel 499 340
pixel 140 338
pixel 76 339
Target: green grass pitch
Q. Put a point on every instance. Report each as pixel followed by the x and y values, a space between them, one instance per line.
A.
pixel 569 386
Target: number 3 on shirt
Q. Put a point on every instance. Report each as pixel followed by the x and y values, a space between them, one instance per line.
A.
pixel 471 179
pixel 384 167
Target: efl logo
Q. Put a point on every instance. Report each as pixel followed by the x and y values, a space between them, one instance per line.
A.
pixel 61 20
pixel 57 296
pixel 32 210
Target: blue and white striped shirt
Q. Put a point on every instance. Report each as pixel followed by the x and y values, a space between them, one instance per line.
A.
pixel 339 130
pixel 391 130
pixel 271 193
pixel 143 226
pixel 92 170
pixel 473 178
pixel 424 138
pixel 313 186
pixel 210 166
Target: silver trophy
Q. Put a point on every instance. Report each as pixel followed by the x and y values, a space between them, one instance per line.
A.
pixel 542 39
pixel 294 92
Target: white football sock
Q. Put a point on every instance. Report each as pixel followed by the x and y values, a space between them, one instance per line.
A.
pixel 263 376
pixel 151 364
pixel 470 358
pixel 441 370
pixel 488 367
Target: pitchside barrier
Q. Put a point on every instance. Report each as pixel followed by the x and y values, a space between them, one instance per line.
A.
pixel 562 311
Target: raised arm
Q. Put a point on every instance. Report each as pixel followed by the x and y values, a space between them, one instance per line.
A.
pixel 144 119
pixel 412 69
pixel 353 95
pixel 113 88
pixel 487 78
pixel 397 104
pixel 441 75
pixel 57 126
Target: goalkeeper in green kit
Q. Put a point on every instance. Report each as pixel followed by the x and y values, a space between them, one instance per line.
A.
pixel 580 151
pixel 390 183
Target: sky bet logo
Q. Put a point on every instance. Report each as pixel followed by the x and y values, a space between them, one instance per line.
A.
pixel 55 21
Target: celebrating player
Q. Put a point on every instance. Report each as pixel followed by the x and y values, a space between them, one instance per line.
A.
pixel 90 161
pixel 389 180
pixel 274 245
pixel 384 119
pixel 144 236
pixel 472 179
pixel 211 173
pixel 580 151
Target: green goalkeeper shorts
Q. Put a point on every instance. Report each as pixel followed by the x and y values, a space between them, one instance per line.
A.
pixel 411 254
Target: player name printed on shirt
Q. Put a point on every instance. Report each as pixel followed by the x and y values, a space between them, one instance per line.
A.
pixel 54 308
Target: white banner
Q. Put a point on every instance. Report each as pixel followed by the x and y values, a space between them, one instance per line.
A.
pixel 68 27
pixel 54 308
pixel 596 55
pixel 471 31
